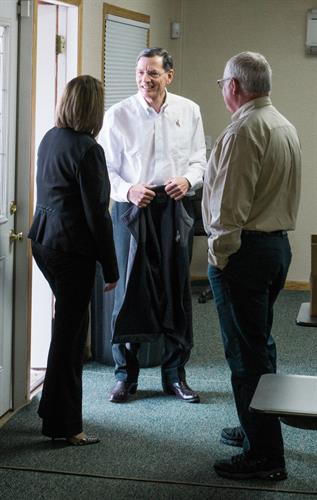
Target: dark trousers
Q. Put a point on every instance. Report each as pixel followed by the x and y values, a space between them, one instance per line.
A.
pixel 71 278
pixel 174 358
pixel 244 293
pixel 175 355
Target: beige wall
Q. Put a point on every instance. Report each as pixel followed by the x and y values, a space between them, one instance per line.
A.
pixel 212 31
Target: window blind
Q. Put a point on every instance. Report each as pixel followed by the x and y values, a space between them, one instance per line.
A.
pixel 124 40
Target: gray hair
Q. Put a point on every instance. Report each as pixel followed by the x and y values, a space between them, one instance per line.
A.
pixel 167 60
pixel 252 71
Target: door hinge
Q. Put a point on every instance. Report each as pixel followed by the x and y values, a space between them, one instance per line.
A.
pixel 60 44
pixel 13 208
pixel 24 8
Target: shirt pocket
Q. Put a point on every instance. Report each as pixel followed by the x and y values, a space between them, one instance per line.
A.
pixel 179 137
pixel 181 146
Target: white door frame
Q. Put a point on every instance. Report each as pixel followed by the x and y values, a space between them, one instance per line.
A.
pixel 53 72
pixel 9 59
pixel 25 193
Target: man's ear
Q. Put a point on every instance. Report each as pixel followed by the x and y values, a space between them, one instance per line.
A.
pixel 235 86
pixel 170 76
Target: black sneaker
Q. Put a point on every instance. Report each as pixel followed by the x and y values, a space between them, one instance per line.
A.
pixel 244 467
pixel 232 436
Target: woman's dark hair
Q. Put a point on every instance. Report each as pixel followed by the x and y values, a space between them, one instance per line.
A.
pixel 81 106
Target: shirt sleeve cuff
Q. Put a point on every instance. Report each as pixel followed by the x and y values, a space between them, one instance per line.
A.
pixel 193 181
pixel 121 194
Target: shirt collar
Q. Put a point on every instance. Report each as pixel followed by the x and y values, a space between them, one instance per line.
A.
pixel 259 102
pixel 147 108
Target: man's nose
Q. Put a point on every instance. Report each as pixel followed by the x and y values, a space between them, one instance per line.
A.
pixel 145 77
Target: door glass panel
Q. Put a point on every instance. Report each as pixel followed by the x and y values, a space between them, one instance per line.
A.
pixel 8 87
pixel 3 120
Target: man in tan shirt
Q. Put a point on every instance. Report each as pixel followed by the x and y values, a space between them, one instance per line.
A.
pixel 250 201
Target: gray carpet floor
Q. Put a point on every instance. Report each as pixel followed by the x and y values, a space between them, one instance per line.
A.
pixel 156 446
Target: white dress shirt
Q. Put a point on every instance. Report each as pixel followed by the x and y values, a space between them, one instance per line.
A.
pixel 143 146
pixel 252 180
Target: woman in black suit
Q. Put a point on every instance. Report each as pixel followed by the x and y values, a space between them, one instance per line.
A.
pixel 71 230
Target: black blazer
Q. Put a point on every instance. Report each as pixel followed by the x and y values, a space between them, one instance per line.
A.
pixel 73 193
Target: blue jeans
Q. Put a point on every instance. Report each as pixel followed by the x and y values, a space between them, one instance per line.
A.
pixel 245 292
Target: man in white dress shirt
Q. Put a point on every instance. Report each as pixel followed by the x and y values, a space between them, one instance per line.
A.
pixel 155 151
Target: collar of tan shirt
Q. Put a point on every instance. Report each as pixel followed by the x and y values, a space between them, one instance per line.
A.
pixel 259 102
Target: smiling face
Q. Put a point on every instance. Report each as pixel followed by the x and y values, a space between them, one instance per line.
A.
pixel 152 79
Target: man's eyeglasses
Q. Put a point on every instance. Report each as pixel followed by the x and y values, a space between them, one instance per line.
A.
pixel 155 75
pixel 222 81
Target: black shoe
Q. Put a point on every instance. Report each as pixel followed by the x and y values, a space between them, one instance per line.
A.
pixel 182 391
pixel 120 392
pixel 232 436
pixel 244 467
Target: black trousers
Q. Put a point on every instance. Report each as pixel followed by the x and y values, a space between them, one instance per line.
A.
pixel 71 278
pixel 245 292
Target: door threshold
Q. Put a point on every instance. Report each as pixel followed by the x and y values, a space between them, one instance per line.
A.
pixel 6 417
pixel 37 376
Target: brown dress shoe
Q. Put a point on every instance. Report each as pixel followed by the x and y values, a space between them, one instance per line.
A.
pixel 120 392
pixel 182 391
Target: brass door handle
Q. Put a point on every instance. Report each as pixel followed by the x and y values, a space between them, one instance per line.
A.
pixel 15 236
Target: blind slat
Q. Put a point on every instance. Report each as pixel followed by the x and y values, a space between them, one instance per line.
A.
pixel 123 43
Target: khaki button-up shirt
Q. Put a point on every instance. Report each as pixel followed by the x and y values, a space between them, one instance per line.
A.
pixel 252 180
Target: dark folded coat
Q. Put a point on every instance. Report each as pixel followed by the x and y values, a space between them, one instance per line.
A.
pixel 154 294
